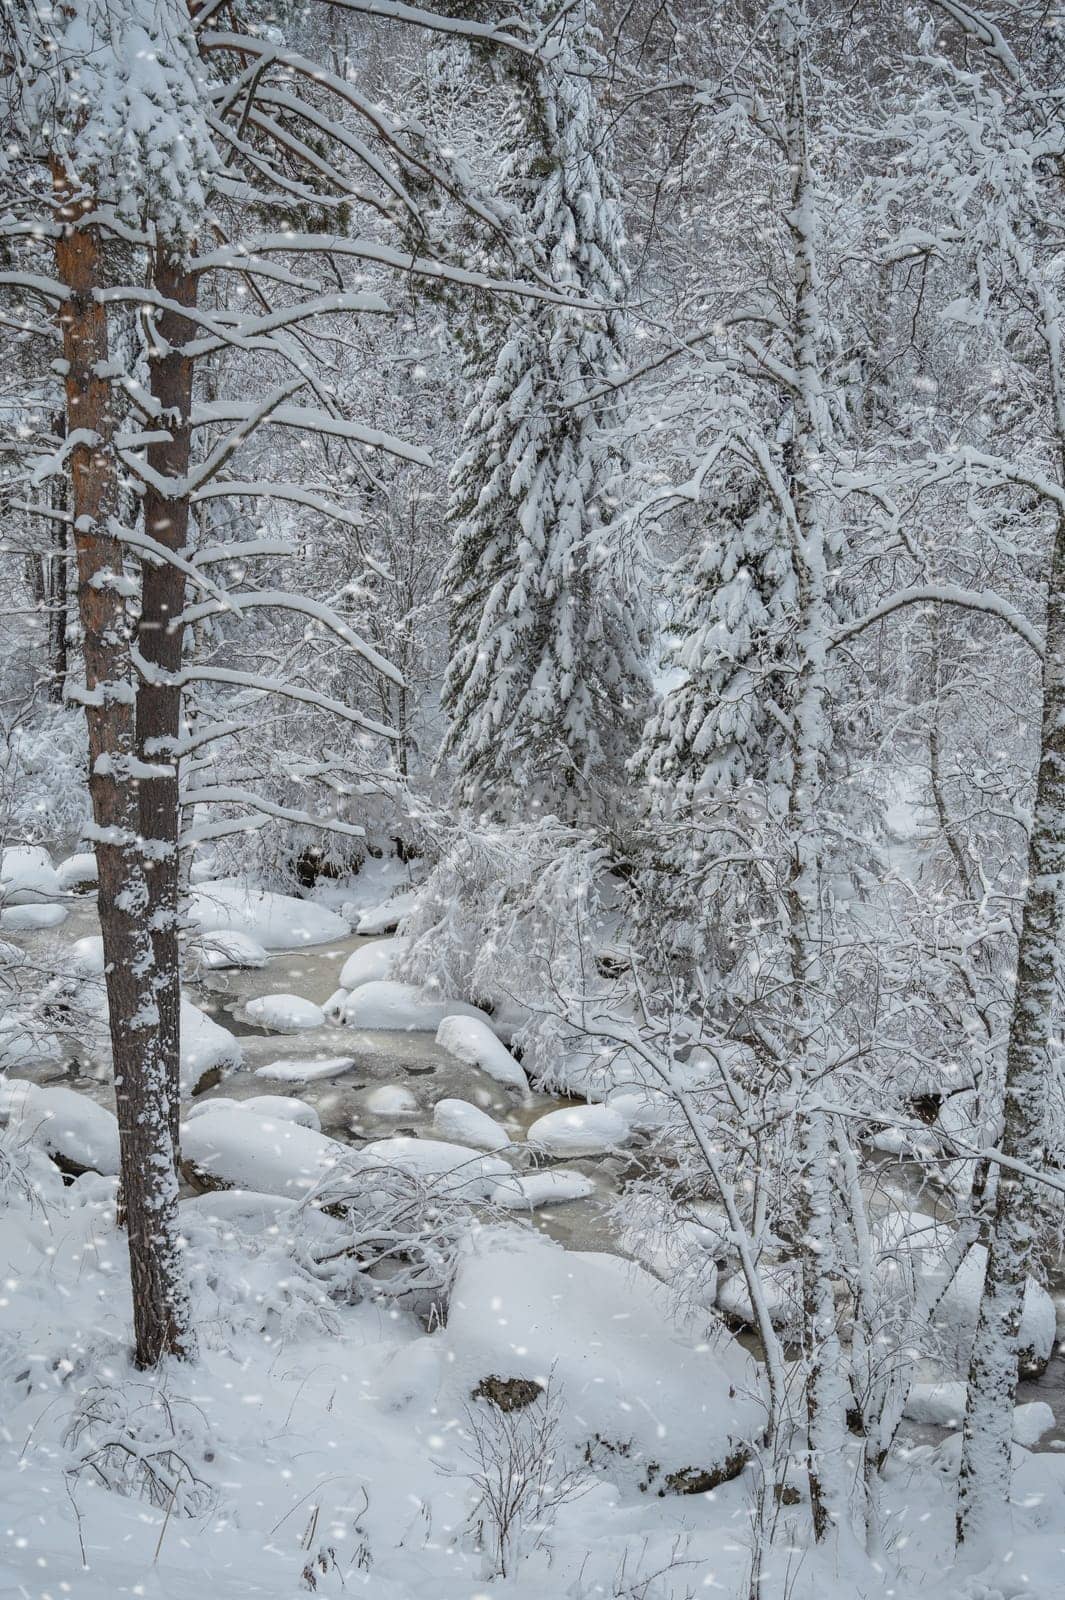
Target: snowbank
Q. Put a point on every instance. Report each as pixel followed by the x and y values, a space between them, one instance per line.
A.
pixel 274 921
pixel 464 1123
pixel 81 1135
pixel 284 1013
pixel 642 1394
pixel 579 1131
pixel 388 1007
pixel 371 962
pixel 474 1042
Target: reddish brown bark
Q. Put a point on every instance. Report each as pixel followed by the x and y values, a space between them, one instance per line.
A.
pixel 160 1302
pixel 159 640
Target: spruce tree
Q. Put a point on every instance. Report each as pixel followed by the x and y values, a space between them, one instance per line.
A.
pixel 546 687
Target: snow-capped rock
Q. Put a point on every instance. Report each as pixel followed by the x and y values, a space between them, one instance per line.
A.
pixel 24 1042
pixel 27 877
pixel 453 1167
pixel 386 917
pixel 274 921
pixel 389 1007
pixel 284 1013
pixel 30 918
pixel 473 1041
pixel 391 1100
pixel 240 1149
pixel 208 1051
pixel 528 1191
pixel 308 1069
pixel 579 1131
pixel 643 1394
pixel 464 1123
pixel 79 1134
pixel 371 962
pixel 77 872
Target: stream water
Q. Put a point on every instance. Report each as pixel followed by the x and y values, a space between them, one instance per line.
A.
pixel 415 1063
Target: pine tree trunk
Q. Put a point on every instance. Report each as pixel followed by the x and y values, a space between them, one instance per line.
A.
pixel 984 1479
pixel 160 1301
pixel 159 641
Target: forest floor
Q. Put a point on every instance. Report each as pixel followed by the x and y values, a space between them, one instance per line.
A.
pixel 332 1444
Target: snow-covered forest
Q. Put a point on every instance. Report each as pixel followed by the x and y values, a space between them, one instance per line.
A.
pixel 532 799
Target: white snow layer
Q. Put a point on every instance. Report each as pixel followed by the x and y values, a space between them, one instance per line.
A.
pixel 464 1123
pixel 371 962
pixel 473 1041
pixel 284 1013
pixel 579 1131
pixel 275 921
pixel 388 1007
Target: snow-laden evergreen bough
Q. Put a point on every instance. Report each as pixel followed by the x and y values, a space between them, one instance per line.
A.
pixel 547 683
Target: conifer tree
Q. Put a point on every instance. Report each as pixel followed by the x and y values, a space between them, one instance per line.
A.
pixel 546 686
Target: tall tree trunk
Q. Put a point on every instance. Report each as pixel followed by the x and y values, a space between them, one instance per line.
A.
pixel 159 642
pixel 160 1300
pixel 984 1479
pixel 57 587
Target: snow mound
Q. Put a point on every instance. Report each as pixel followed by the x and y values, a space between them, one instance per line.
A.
pixel 27 877
pixel 386 917
pixel 641 1393
pixel 24 1042
pixel 244 1211
pixel 371 962
pixel 940 1404
pixel 531 1190
pixel 1031 1422
pixel 274 921
pixel 77 871
pixel 206 1048
pixel 284 1013
pixel 280 1106
pixel 28 918
pixel 81 1135
pixel 313 1069
pixel 387 1007
pixel 912 1245
pixel 86 957
pixel 452 1167
pixel 464 1123
pixel 579 1131
pixel 391 1100
pixel 780 1289
pixel 227 948
pixel 245 1150
pixel 473 1041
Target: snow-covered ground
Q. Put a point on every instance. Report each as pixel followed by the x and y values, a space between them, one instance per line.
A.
pixel 350 1411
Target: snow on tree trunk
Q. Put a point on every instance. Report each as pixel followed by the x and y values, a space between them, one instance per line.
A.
pixel 149 1181
pixel 160 644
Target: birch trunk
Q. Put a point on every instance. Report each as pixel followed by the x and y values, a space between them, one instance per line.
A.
pixel 984 1479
